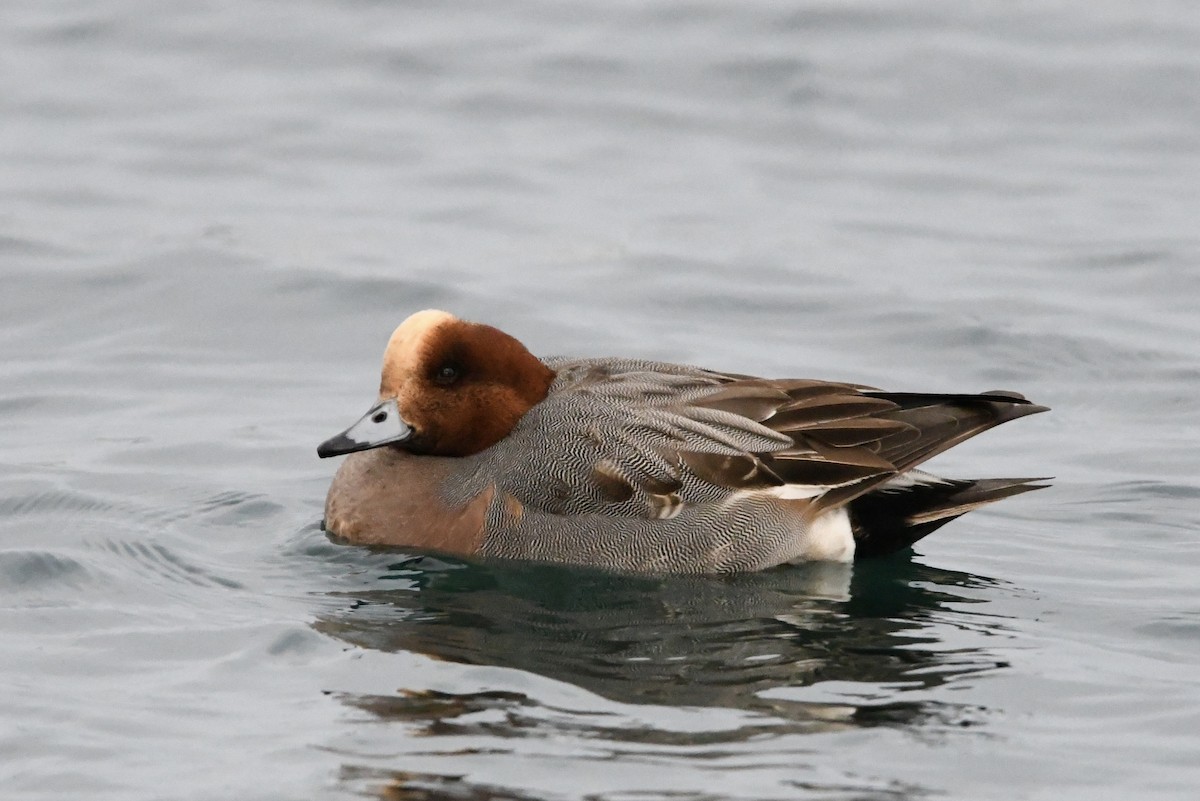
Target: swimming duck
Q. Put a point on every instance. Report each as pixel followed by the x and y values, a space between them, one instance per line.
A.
pixel 478 448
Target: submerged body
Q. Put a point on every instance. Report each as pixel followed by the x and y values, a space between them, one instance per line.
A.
pixel 478 448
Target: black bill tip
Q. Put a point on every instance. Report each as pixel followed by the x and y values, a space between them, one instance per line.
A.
pixel 339 445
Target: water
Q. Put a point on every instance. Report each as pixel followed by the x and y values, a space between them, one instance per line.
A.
pixel 214 214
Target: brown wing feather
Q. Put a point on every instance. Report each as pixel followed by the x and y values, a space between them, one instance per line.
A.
pixel 943 421
pixel 755 400
pixel 737 432
pixel 743 471
pixel 935 424
pixel 848 437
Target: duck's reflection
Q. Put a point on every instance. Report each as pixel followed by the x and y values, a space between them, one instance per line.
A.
pixel 768 644
pixel 746 642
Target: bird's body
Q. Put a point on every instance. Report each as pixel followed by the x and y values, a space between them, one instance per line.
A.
pixel 643 466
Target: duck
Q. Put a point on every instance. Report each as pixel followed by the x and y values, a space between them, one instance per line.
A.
pixel 478 449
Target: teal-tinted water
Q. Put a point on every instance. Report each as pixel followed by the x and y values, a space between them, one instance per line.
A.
pixel 214 214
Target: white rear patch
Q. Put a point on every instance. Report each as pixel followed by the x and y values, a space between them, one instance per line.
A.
pixel 830 538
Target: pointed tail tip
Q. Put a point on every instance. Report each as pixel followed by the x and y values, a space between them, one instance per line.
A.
pixel 1021 405
pixel 998 488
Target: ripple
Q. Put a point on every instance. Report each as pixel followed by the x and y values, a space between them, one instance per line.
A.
pixel 1131 491
pixel 54 502
pixel 234 508
pixel 1179 629
pixel 27 569
pixel 160 562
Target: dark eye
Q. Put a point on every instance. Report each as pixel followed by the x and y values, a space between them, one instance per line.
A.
pixel 447 374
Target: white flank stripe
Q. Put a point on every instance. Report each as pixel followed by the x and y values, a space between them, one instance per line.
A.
pixel 911 479
pixel 796 492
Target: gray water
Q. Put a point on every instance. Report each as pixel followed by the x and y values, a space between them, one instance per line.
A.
pixel 215 212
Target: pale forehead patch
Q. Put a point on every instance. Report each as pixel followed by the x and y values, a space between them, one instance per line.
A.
pixel 403 351
pixel 417 327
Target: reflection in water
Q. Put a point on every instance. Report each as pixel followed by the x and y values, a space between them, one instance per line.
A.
pixel 409 786
pixel 681 641
pixel 751 643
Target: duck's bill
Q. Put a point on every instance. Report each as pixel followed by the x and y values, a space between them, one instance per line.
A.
pixel 382 425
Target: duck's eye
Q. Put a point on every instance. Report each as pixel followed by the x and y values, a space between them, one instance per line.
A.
pixel 447 374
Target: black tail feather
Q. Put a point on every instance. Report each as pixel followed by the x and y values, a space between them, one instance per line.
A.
pixel 894 517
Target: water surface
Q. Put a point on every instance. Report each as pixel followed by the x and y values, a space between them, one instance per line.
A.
pixel 215 214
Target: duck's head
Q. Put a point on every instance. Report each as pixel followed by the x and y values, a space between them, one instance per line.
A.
pixel 449 388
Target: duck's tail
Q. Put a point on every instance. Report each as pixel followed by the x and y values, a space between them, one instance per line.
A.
pixel 905 509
